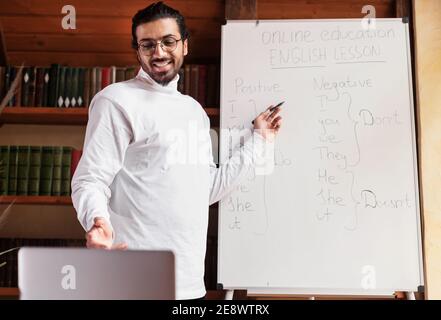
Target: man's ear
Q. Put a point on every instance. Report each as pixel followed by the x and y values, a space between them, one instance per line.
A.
pixel 185 47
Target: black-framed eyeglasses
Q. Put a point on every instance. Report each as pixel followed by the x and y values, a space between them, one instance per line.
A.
pixel 148 47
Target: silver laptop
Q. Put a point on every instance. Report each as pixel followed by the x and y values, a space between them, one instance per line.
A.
pixel 80 273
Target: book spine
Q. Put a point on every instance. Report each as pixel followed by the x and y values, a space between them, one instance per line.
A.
pixel 202 88
pixel 86 96
pixel 3 247
pixel 181 80
pixel 4 170
pixel 31 87
pixel 46 83
pixel 56 176
pixel 105 77
pixel 61 87
pixel 99 79
pixel 211 86
pixel 187 79
pixel 194 81
pixel 46 171
pixel 23 170
pixel 130 73
pixel 13 170
pixel 34 171
pixel 93 83
pixel 66 171
pixel 74 88
pixel 54 83
pixel 2 82
pixel 120 75
pixel 28 87
pixel 80 91
pixel 39 87
pixel 112 74
pixel 17 96
pixel 76 156
pixel 68 87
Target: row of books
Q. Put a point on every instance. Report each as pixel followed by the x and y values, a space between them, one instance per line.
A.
pixel 8 260
pixel 37 170
pixel 59 86
pixel 73 87
pixel 202 82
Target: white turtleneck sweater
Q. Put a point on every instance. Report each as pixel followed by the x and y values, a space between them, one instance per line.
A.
pixel 147 168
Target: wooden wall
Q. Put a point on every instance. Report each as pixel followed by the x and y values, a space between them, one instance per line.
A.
pixel 428 73
pixel 34 34
pixel 103 30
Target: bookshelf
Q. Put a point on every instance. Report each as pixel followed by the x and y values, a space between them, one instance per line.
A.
pixel 62 116
pixel 37 200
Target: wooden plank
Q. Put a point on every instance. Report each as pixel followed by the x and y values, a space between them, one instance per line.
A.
pixel 110 8
pixel 240 9
pixel 403 8
pixel 91 43
pixel 319 9
pixel 206 28
pixel 64 116
pixel 427 21
pixel 13 293
pixel 88 59
pixel 40 200
pixel 3 50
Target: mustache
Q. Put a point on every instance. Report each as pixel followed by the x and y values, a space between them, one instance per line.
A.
pixel 160 60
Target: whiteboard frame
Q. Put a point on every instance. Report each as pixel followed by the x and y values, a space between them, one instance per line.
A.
pixel 328 291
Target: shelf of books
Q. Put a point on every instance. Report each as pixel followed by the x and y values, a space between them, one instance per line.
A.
pixel 37 174
pixel 9 260
pixel 61 94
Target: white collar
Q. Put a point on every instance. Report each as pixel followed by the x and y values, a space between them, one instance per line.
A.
pixel 171 87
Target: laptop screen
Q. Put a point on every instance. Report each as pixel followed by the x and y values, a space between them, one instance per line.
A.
pixel 80 273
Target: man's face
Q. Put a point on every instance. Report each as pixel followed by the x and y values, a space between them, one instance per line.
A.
pixel 161 64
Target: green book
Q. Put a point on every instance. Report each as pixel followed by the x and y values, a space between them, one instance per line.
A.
pixel 80 92
pixel 46 88
pixel 56 172
pixel 13 167
pixel 34 171
pixel 46 171
pixel 53 85
pixel 61 87
pixel 28 87
pixel 68 87
pixel 74 88
pixel 65 171
pixel 24 153
pixel 4 169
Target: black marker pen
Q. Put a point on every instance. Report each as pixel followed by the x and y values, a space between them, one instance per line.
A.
pixel 272 109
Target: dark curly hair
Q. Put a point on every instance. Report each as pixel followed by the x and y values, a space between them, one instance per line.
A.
pixel 156 11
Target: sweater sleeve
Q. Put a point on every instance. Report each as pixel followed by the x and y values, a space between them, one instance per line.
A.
pixel 255 153
pixel 108 135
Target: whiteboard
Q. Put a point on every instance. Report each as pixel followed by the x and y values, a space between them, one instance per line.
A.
pixel 339 214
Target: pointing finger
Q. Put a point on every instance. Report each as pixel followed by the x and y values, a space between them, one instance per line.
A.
pixel 120 246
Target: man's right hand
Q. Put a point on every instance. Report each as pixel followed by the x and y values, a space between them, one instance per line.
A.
pixel 100 236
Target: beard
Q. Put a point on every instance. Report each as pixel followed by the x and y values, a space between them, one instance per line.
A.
pixel 154 68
